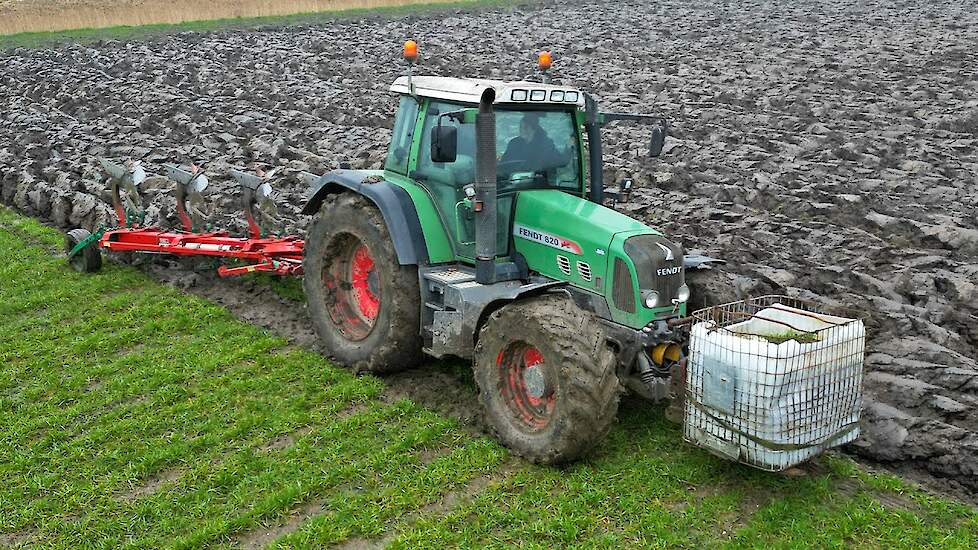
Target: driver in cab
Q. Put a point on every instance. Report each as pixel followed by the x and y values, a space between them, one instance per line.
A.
pixel 531 151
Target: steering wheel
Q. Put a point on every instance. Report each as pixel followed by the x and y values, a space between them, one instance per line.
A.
pixel 509 185
pixel 503 165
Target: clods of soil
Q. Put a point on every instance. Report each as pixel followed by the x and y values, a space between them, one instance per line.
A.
pixel 824 149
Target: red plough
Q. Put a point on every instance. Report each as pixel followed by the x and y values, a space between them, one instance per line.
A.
pixel 276 255
pixel 281 256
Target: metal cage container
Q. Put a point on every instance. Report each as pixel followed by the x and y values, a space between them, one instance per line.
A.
pixel 773 381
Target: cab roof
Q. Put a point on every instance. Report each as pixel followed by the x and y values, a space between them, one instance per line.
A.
pixel 470 90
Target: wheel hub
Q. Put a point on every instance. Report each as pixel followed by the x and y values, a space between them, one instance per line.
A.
pixel 535 381
pixel 528 386
pixel 362 275
pixel 354 287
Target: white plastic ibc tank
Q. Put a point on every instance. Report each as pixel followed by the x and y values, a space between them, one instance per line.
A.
pixel 767 404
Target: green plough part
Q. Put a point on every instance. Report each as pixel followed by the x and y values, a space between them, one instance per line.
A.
pixel 134 218
pixel 93 238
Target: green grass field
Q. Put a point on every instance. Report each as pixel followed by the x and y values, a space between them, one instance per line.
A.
pixel 132 414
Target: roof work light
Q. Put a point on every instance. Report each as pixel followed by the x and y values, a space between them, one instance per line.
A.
pixel 411 51
pixel 544 61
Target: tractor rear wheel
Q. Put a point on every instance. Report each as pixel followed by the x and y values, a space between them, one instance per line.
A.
pixel 365 307
pixel 88 259
pixel 546 379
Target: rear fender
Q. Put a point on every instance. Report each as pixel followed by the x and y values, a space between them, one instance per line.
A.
pixel 393 202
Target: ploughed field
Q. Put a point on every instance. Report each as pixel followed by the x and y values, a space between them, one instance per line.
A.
pixel 823 149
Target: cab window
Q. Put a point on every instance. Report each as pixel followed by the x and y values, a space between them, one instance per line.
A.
pixel 402 136
pixel 536 150
pixel 455 174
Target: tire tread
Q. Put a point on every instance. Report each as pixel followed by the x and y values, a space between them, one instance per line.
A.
pixel 589 382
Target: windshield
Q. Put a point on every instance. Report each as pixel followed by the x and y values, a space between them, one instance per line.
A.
pixel 536 149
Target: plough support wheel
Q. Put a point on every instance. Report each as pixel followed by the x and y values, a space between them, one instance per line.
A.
pixel 83 252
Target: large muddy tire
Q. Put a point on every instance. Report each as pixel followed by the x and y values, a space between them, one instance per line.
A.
pixel 365 307
pixel 88 259
pixel 546 379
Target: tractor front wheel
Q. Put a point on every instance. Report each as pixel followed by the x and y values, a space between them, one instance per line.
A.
pixel 546 379
pixel 364 305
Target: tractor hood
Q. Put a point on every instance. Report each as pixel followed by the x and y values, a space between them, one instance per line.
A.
pixel 634 267
pixel 567 237
pixel 560 210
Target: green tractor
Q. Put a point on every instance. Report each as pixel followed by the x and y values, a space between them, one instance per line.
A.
pixel 485 237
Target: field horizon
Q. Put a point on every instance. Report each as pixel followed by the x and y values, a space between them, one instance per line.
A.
pixel 42 16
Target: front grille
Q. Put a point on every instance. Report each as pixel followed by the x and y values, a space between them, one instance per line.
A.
pixel 658 264
pixel 622 290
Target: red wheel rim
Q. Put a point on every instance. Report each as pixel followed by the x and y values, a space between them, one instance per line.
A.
pixel 361 270
pixel 353 287
pixel 528 385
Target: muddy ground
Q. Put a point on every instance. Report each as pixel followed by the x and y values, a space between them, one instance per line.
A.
pixel 825 149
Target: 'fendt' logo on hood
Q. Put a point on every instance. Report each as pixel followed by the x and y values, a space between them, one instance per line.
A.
pixel 669 255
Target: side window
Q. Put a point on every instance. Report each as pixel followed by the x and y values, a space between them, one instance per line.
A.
pixel 458 173
pixel 400 150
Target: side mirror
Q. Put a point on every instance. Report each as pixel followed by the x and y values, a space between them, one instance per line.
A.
pixel 659 134
pixel 444 143
pixel 624 193
pixel 626 187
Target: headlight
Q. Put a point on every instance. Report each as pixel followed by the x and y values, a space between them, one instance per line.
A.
pixel 650 298
pixel 682 295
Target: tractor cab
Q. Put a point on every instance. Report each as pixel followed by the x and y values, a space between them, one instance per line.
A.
pixel 545 219
pixel 538 143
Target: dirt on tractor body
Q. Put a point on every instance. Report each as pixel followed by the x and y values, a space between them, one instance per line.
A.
pixel 823 149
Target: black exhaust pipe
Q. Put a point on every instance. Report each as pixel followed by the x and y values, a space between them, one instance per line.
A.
pixel 484 204
pixel 593 125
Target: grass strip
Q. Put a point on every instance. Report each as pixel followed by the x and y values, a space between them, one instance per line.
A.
pixel 134 415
